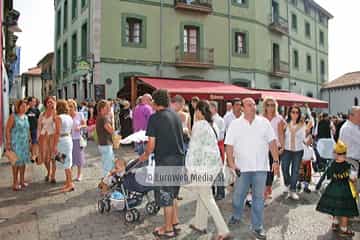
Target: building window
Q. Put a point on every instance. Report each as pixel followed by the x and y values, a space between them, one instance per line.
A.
pixel 85 87
pixel 240 3
pixel 294 22
pixel 307 30
pixel 322 70
pixel 191 39
pixel 294 2
pixel 65 92
pixel 134 30
pixel 58 64
pixel 65 57
pixel 58 23
pixel 84 40
pixel 59 94
pixel 322 19
pixel 308 63
pixel 321 37
pixel 74 9
pixel 309 94
pixel 240 43
pixel 74 91
pixel 65 14
pixel 83 3
pixel 307 7
pixel 296 59
pixel 356 101
pixel 73 50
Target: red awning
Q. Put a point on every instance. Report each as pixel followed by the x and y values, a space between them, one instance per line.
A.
pixel 204 89
pixel 285 98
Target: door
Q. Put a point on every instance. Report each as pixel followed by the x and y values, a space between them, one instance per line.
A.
pixel 191 44
pixel 275 11
pixel 276 57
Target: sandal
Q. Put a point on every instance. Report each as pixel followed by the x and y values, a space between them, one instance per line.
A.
pixel 165 235
pixel 16 188
pixel 347 233
pixel 335 227
pixel 53 181
pixel 192 226
pixel 46 179
pixel 176 229
pixel 24 185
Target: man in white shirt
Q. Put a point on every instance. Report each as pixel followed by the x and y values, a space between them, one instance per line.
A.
pixel 219 122
pixel 234 114
pixel 350 135
pixel 248 141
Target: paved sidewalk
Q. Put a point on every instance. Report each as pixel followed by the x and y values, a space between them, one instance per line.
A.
pixel 41 212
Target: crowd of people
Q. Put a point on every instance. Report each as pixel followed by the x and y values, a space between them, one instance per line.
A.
pixel 255 144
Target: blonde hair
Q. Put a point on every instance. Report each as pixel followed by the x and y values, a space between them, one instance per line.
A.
pixel 73 103
pixel 62 107
pixel 266 101
pixel 18 104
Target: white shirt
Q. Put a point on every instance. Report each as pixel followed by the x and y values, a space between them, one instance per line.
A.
pixel 350 135
pixel 299 139
pixel 219 121
pixel 228 118
pixel 275 125
pixel 251 143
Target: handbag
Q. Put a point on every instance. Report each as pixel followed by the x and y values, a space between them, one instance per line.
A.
pixel 116 141
pixel 83 142
pixel 11 156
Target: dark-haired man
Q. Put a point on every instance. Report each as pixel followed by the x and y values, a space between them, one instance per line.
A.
pixel 166 141
pixel 33 114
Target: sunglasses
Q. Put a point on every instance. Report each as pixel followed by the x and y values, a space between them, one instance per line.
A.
pixel 294 112
pixel 270 105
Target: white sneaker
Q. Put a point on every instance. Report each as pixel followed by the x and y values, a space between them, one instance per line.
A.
pixel 287 189
pixel 294 196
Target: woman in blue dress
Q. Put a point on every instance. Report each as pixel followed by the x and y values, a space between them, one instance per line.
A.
pixel 18 141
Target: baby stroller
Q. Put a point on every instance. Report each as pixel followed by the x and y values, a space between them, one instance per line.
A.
pixel 125 194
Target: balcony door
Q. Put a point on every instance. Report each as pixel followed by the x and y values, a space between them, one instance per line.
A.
pixel 191 43
pixel 276 56
pixel 275 11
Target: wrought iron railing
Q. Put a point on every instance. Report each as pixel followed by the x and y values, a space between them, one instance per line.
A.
pixel 278 23
pixel 200 56
pixel 280 67
pixel 205 3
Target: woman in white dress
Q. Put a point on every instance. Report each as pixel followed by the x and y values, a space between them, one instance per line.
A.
pixel 203 158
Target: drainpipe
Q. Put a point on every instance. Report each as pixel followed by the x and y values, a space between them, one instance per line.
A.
pixel 161 37
pixel 317 56
pixel 289 44
pixel 229 42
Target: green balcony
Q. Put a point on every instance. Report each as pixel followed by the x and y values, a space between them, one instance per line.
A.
pixel 279 25
pixel 280 69
pixel 201 6
pixel 195 58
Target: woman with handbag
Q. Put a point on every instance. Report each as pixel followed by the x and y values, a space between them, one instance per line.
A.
pixel 18 141
pixel 63 144
pixel 79 123
pixel 203 158
pixel 46 131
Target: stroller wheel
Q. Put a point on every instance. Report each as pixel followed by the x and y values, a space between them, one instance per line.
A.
pixel 107 205
pixel 136 214
pixel 101 206
pixel 150 208
pixel 129 216
pixel 156 207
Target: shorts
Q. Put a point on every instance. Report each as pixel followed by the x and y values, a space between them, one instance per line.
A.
pixel 34 137
pixel 107 157
pixel 164 196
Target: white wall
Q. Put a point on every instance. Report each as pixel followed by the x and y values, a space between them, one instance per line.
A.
pixel 341 99
pixel 34 85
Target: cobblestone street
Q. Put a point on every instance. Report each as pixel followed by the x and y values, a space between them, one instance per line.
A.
pixel 41 212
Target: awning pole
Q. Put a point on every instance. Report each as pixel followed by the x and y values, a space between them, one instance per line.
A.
pixel 133 91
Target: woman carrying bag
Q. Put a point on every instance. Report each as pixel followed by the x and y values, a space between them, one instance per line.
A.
pixel 18 141
pixel 203 157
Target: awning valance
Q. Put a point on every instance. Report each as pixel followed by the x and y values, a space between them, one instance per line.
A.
pixel 204 89
pixel 285 98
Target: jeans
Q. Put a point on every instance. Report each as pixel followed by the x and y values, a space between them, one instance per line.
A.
pixel 107 157
pixel 257 181
pixel 294 159
pixel 140 148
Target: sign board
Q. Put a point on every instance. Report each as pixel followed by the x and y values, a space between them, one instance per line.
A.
pixel 82 65
pixel 99 90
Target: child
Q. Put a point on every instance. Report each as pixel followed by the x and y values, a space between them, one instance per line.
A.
pixel 305 167
pixel 338 199
pixel 107 181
